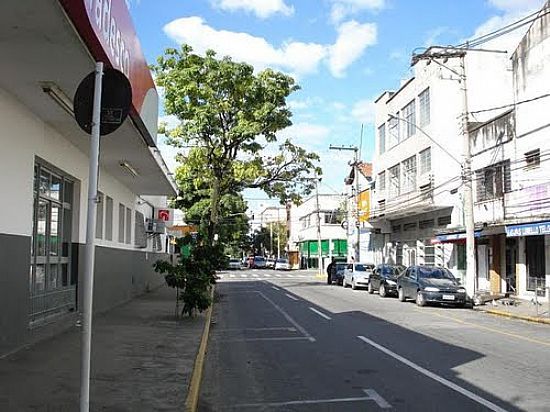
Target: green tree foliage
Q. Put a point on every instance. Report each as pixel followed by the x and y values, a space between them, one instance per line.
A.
pixel 265 239
pixel 229 114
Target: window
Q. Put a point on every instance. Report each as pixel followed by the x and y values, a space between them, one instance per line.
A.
pixel 461 256
pixel 382 181
pixel 424 107
pixel 334 217
pixel 409 114
pixel 382 138
pixel 394 181
pixel 409 226
pixel 444 220
pixel 408 168
pixel 128 226
pixel 121 215
pixel 393 131
pixel 433 255
pixel 536 265
pixel 532 158
pixel 426 224
pixel 99 216
pixel 396 228
pixel 109 218
pixel 425 161
pixel 493 181
pixel 140 236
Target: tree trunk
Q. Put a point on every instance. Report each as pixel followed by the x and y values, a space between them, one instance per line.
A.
pixel 214 203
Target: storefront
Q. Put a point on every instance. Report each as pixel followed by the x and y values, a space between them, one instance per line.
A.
pixel 44 166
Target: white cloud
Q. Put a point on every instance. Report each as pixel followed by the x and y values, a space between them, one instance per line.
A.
pixel 344 8
pixel 353 39
pixel 261 8
pixel 171 121
pixel 296 57
pixel 516 5
pixel 434 35
pixel 306 134
pixel 364 111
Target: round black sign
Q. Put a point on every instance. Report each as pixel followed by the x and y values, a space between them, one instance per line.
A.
pixel 116 98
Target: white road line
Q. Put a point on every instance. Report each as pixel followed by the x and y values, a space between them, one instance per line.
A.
pixel 285 328
pixel 289 276
pixel 266 339
pixel 371 396
pixel 279 276
pixel 254 275
pixel 291 297
pixel 287 317
pixel 275 288
pixel 320 313
pixel 488 404
pixel 244 276
pixel 231 276
pixel 266 275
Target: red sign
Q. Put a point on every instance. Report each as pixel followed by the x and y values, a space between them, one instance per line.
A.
pixel 107 29
pixel 164 214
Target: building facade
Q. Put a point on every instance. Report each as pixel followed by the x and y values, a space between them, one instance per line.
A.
pixel 44 168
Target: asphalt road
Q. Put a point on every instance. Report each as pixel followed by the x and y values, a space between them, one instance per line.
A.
pixel 297 344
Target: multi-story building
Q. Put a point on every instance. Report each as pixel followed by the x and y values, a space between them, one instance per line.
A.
pixel 324 213
pixel 417 206
pixel 44 162
pixel 510 162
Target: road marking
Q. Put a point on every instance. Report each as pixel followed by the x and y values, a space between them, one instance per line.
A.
pixel 320 313
pixel 266 339
pixel 279 276
pixel 275 288
pixel 513 335
pixel 285 328
pixel 231 276
pixel 372 395
pixel 290 276
pixel 266 275
pixel 288 318
pixel 431 375
pixel 244 276
pixel 254 275
pixel 291 297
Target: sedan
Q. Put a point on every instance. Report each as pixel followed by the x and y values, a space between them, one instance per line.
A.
pixel 234 264
pixel 338 275
pixel 384 279
pixel 282 264
pixel 430 284
pixel 357 275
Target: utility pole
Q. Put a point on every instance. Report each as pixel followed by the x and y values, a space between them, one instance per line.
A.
pixel 355 166
pixel 320 260
pixel 271 238
pixel 278 234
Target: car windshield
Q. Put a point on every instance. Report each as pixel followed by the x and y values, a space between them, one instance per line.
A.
pixel 282 261
pixel 435 273
pixel 363 267
pixel 259 259
pixel 234 260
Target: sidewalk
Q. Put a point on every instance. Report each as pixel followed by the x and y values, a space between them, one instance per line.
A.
pixel 525 310
pixel 142 360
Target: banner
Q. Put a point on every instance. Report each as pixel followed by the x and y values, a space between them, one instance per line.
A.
pixel 363 204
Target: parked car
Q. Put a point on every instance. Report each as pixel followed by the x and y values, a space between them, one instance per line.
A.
pixel 384 279
pixel 282 264
pixel 270 263
pixel 338 275
pixel 234 264
pixel 357 275
pixel 257 262
pixel 430 284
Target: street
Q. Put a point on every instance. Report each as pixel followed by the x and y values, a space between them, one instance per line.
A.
pixel 296 344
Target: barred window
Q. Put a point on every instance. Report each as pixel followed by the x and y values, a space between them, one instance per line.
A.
pixel 409 114
pixel 394 181
pixel 424 103
pixel 382 181
pixel 393 132
pixel 425 161
pixel 382 138
pixel 493 181
pixel 408 168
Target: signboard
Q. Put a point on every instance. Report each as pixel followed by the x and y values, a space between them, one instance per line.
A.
pixel 453 237
pixel 164 214
pixel 363 204
pixel 529 229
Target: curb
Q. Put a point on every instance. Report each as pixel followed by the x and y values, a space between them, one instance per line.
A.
pixel 515 316
pixel 192 399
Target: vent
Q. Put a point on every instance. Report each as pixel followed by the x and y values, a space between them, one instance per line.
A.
pixel 532 158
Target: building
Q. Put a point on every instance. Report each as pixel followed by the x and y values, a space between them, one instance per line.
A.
pixel 324 213
pixel 417 211
pixel 512 199
pixel 53 44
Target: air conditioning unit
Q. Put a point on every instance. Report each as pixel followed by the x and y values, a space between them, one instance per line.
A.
pixel 155 226
pixel 425 181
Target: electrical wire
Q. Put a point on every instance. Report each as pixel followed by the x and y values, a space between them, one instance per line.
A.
pixel 542 96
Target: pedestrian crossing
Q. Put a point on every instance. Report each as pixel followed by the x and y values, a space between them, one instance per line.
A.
pixel 261 276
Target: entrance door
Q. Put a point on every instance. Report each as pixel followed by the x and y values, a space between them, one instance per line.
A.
pixel 483 282
pixel 52 289
pixel 511 262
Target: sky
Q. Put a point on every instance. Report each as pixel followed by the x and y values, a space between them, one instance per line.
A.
pixel 343 54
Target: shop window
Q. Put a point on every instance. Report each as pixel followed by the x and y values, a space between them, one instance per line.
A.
pixel 536 265
pixel 461 256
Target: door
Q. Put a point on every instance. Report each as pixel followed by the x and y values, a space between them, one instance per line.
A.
pixel 52 289
pixel 483 280
pixel 511 262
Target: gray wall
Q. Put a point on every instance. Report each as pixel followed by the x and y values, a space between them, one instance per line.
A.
pixel 15 259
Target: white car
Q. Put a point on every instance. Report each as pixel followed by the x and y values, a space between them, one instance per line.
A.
pixel 282 264
pixel 357 275
pixel 234 264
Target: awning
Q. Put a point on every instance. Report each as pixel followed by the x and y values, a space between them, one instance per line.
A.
pixel 528 229
pixel 453 237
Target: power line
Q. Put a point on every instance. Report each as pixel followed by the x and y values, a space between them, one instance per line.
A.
pixel 542 96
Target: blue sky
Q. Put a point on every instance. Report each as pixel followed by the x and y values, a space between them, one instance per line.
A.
pixel 343 53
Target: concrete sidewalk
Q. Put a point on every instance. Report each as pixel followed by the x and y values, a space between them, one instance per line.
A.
pixel 142 360
pixel 524 310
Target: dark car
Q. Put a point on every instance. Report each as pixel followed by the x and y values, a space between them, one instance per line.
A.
pixel 257 262
pixel 384 279
pixel 430 284
pixel 338 275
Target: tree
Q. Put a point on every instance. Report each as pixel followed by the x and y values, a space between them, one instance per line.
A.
pixel 265 239
pixel 228 114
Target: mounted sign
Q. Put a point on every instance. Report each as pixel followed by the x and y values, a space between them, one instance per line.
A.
pixel 164 214
pixel 116 98
pixel 529 229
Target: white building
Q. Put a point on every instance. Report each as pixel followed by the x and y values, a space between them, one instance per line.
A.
pixel 44 167
pixel 510 159
pixel 417 206
pixel 307 218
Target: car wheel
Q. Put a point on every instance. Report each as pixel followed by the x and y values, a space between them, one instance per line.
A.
pixel 353 284
pixel 370 289
pixel 382 291
pixel 401 295
pixel 344 283
pixel 420 300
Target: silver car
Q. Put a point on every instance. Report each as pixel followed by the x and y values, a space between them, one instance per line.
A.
pixel 357 275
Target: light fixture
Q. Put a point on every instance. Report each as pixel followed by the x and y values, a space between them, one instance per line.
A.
pixel 124 164
pixel 58 96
